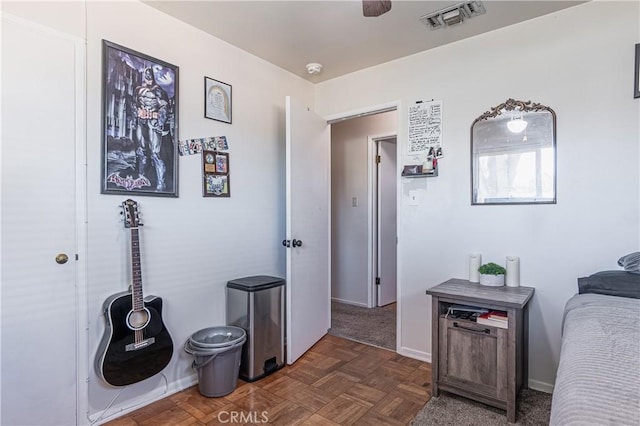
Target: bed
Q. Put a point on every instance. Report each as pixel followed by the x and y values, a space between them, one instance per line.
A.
pixel 598 378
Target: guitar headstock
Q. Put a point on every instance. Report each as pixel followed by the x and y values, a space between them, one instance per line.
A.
pixel 131 214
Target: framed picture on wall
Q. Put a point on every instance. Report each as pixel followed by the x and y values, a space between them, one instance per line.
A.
pixel 215 174
pixel 216 185
pixel 636 90
pixel 217 100
pixel 139 123
pixel 222 163
pixel 209 161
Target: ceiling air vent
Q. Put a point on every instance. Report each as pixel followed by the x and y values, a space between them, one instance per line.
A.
pixel 453 14
pixel 432 21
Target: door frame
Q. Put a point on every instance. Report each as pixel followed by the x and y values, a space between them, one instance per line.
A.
pixel 363 112
pixel 82 239
pixel 372 214
pixel 80 209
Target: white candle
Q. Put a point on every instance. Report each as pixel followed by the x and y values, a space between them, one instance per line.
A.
pixel 513 271
pixel 475 260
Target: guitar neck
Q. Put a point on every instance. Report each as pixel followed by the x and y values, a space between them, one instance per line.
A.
pixel 136 271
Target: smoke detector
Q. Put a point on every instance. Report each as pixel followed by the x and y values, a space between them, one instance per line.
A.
pixel 453 14
pixel 314 68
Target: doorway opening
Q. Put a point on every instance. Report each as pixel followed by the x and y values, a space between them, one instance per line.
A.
pixel 364 182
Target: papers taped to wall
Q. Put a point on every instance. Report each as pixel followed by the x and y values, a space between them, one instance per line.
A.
pixel 425 127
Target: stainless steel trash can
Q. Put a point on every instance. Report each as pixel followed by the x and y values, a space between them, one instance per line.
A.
pixel 257 305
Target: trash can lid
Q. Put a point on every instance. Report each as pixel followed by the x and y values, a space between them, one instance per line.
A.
pixel 217 337
pixel 256 283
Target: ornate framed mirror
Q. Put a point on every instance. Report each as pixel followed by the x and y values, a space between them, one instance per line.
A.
pixel 513 155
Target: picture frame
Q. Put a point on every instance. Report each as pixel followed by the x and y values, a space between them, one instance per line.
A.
pixel 222 163
pixel 218 100
pixel 209 162
pixel 140 125
pixel 215 174
pixel 636 90
pixel 216 185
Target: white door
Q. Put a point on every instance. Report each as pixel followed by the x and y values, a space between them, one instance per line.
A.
pixel 387 212
pixel 39 307
pixel 307 179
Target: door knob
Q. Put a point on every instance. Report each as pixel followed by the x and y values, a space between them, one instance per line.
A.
pixel 286 243
pixel 296 243
pixel 62 258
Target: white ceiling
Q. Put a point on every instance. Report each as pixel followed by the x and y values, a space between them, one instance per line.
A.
pixel 291 34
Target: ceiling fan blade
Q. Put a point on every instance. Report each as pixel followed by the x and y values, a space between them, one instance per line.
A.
pixel 373 8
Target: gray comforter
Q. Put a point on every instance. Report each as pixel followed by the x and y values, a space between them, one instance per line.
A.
pixel 598 380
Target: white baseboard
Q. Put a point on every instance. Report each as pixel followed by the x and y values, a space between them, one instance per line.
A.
pixel 541 386
pixel 348 302
pixel 137 403
pixel 412 353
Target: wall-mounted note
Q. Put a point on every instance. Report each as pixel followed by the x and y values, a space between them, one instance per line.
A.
pixel 425 127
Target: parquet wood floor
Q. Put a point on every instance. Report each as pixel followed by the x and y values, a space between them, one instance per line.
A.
pixel 337 382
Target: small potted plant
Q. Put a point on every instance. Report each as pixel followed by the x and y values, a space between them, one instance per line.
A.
pixel 492 274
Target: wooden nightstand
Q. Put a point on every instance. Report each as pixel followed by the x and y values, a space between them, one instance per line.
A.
pixel 481 362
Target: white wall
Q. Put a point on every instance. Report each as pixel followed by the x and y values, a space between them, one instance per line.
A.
pixel 65 16
pixel 580 63
pixel 191 246
pixel 349 225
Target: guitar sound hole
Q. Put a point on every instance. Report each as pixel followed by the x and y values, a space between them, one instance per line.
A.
pixel 137 320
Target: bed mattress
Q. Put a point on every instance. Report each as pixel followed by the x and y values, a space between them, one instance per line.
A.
pixel 598 379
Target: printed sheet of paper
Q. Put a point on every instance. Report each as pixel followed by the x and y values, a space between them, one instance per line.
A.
pixel 425 127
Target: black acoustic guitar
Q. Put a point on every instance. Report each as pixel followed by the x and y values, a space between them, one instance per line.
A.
pixel 136 344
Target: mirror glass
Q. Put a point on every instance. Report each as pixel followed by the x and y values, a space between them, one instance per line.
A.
pixel 513 155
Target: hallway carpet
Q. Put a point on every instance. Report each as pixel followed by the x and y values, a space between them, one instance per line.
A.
pixel 373 326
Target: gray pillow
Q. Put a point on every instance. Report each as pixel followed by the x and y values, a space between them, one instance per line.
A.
pixel 612 283
pixel 631 262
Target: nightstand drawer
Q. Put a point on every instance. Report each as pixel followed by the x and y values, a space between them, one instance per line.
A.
pixel 473 356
